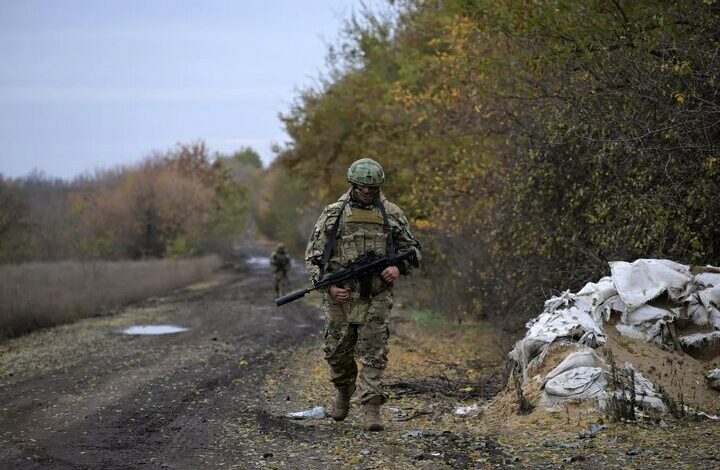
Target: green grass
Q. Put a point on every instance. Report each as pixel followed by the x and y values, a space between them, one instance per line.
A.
pixel 429 318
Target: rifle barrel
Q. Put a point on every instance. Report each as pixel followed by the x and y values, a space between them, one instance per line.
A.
pixel 298 294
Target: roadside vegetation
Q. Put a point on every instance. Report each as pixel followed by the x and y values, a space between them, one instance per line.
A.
pixel 527 144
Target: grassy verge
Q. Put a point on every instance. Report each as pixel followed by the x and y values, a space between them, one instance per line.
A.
pixel 37 295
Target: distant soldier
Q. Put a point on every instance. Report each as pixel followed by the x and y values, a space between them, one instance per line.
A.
pixel 361 223
pixel 280 262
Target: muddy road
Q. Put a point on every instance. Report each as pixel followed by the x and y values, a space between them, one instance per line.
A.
pixel 86 396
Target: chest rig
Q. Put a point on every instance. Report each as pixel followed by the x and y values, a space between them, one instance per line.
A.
pixel 364 231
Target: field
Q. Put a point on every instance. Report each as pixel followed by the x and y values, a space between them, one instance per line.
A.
pixel 37 295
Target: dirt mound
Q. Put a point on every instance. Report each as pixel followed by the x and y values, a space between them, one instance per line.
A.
pixel 681 376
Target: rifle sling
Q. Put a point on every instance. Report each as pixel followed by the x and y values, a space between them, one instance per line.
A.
pixel 386 229
pixel 332 239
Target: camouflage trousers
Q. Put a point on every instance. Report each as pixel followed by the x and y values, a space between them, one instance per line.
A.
pixel 282 283
pixel 367 343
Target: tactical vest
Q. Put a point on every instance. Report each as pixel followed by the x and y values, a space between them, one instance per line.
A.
pixel 354 233
pixel 363 231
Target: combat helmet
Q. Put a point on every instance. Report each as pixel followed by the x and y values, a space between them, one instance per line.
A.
pixel 366 172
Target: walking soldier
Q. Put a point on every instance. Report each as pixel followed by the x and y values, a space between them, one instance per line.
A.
pixel 361 223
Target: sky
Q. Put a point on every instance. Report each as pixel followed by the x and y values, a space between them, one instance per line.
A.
pixel 93 84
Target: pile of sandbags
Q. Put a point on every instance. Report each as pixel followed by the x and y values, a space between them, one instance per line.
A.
pixel 649 299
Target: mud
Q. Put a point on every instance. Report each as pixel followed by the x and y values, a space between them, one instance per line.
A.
pixel 83 396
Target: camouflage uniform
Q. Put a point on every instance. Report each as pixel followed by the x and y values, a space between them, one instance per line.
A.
pixel 280 262
pixel 358 329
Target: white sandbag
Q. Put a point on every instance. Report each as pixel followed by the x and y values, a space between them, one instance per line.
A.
pixel 583 358
pixel 713 379
pixel 528 348
pixel 702 306
pixel 645 314
pixel 599 291
pixel 696 311
pixel 645 279
pixel 710 298
pixel 566 315
pixel 644 390
pixel 631 332
pixel 604 298
pixel 699 340
pixel 651 401
pixel 613 303
pixel 708 279
pixel 579 383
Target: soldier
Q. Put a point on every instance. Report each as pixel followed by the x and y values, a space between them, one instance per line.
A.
pixel 360 222
pixel 280 262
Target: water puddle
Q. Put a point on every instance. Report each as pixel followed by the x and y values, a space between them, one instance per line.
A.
pixel 153 330
pixel 258 261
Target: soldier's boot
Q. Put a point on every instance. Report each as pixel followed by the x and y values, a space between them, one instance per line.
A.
pixel 341 407
pixel 371 418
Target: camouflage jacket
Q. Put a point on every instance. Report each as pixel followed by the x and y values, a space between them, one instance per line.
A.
pixel 279 261
pixel 359 231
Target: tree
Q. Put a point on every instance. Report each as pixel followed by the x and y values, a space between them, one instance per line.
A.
pixel 247 156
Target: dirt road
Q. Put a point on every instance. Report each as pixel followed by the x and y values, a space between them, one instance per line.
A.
pixel 85 396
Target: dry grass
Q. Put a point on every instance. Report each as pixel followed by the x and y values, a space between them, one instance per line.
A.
pixel 36 295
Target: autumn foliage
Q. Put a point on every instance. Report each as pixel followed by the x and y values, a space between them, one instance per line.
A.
pixel 174 204
pixel 529 142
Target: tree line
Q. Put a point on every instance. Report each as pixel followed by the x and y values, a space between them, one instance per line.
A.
pixel 529 142
pixel 178 203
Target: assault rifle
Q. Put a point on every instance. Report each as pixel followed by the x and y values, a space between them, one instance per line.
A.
pixel 367 264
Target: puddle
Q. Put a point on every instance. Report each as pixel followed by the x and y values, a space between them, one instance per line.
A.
pixel 258 261
pixel 153 330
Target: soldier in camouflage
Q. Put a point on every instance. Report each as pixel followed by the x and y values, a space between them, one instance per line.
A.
pixel 357 313
pixel 280 262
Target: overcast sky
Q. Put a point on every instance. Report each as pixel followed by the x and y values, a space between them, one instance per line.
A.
pixel 94 84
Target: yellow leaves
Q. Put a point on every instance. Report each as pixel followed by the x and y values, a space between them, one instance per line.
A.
pixel 710 162
pixel 682 68
pixel 243 362
pixel 422 224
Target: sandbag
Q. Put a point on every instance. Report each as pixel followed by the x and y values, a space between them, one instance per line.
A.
pixel 582 358
pixel 643 280
pixel 579 383
pixel 713 379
